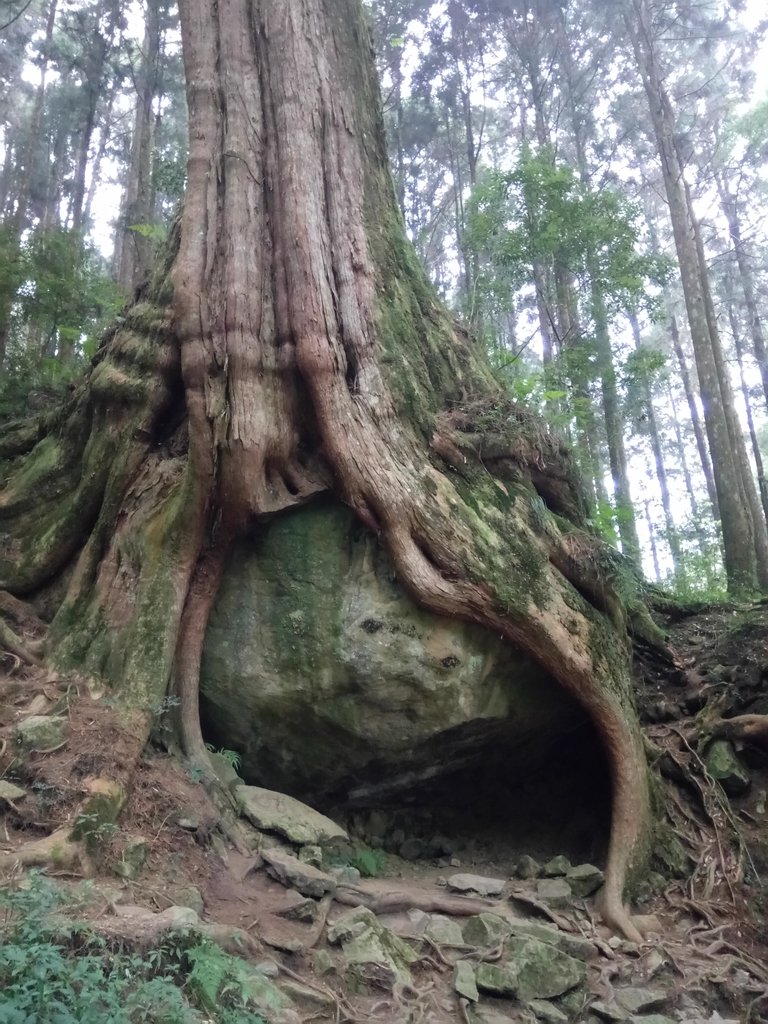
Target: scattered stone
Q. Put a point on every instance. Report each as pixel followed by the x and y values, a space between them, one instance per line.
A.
pixel 322 963
pixel 41 732
pixel 652 1018
pixel 543 971
pixel 190 896
pixel 444 931
pixel 555 892
pixel 584 879
pixel 311 855
pixel 349 924
pixel 723 765
pixel 455 862
pixel 476 883
pixel 547 1011
pixel 635 1000
pixel 268 968
pixel 412 849
pixel 373 954
pixel 278 812
pixel 345 874
pixel 485 930
pixel 573 945
pixel 615 942
pixel 188 824
pixel 302 909
pixel 608 1011
pixel 133 857
pixel 464 981
pixel 498 979
pixel 556 868
pixel 652 963
pixel 9 792
pixel 289 871
pixel 528 868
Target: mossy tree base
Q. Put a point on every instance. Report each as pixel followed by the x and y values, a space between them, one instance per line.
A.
pixel 291 346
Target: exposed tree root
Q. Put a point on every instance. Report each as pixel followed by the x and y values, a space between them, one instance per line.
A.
pixel 746 728
pixel 393 901
pixel 10 642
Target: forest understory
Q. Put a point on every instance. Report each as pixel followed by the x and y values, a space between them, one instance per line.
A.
pixel 161 843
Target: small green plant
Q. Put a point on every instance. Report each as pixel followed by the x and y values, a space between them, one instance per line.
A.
pixel 55 975
pixel 233 759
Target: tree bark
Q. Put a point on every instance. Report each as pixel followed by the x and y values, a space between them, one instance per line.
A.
pixel 312 356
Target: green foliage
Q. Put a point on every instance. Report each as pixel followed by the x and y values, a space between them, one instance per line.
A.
pixel 60 299
pixel 233 759
pixel 542 213
pixel 73 977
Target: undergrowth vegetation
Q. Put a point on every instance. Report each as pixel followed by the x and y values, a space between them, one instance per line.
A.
pixel 52 972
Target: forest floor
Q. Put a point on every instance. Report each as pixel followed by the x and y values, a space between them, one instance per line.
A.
pixel 703 910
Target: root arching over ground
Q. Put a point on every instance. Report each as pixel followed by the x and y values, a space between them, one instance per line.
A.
pixel 290 346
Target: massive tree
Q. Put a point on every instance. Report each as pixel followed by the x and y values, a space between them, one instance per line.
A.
pixel 289 345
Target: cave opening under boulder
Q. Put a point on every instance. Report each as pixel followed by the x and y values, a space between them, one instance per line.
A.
pixel 425 736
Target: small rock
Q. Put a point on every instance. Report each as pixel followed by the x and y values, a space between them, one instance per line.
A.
pixel 464 981
pixel 294 875
pixel 302 909
pixel 723 765
pixel 311 855
pixel 527 867
pixel 455 862
pixel 555 892
pixel 608 1011
pixel 547 1011
pixel 268 968
pixel 635 1000
pixel 651 1018
pixel 584 879
pixel 322 963
pixel 133 857
pixel 188 824
pixel 10 792
pixel 485 930
pixel 411 849
pixel 573 945
pixel 190 896
pixel 543 971
pixel 556 868
pixel 278 812
pixel 476 883
pixel 374 955
pixel 345 874
pixel 444 931
pixel 652 963
pixel 615 942
pixel 498 979
pixel 41 732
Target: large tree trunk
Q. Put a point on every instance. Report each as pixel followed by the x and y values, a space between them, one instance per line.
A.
pixel 306 352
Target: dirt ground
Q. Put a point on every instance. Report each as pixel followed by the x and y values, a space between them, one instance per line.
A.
pixel 707 926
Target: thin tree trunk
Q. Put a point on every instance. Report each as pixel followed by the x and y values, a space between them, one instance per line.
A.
pixel 671 533
pixel 735 512
pixel 757 454
pixel 731 211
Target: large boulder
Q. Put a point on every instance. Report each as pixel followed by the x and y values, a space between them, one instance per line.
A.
pixel 322 672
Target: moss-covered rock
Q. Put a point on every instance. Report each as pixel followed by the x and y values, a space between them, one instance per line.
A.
pixel 321 671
